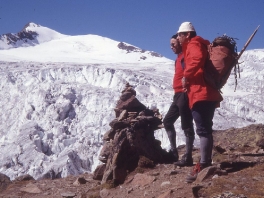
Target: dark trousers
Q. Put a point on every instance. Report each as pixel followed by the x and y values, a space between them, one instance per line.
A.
pixel 179 107
pixel 203 113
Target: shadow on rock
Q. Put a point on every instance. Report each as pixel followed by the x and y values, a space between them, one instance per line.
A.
pixel 236 166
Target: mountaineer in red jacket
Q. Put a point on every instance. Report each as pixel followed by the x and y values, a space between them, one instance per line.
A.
pixel 179 107
pixel 202 98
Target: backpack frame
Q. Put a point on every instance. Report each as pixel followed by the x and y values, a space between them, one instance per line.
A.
pixel 222 58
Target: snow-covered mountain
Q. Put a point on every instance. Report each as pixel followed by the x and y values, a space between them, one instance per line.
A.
pixel 58 95
pixel 31 35
pixel 56 47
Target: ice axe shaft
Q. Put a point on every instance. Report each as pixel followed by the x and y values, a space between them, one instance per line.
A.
pixel 247 43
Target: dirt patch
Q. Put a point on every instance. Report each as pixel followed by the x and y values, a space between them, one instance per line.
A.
pixel 237 152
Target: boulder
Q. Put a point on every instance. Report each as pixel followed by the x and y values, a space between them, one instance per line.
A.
pixel 4 182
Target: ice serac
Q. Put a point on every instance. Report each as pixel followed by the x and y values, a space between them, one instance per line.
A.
pixel 54 115
pixel 246 101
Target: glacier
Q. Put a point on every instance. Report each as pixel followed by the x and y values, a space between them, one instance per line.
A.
pixel 58 98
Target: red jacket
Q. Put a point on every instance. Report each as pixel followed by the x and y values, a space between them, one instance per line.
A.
pixel 195 54
pixel 178 74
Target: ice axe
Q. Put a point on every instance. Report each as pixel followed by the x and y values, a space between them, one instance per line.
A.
pixel 247 43
pixel 240 54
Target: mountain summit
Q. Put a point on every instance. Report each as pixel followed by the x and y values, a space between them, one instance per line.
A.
pixel 32 34
pixel 41 44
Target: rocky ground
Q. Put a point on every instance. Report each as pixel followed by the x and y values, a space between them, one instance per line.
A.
pixel 237 172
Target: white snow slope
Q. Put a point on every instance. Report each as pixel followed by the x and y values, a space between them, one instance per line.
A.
pixel 57 99
pixel 31 35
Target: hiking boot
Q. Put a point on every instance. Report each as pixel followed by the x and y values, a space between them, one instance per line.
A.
pixel 191 177
pixel 174 154
pixel 185 161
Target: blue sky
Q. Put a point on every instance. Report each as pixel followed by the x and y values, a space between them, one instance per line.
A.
pixel 148 24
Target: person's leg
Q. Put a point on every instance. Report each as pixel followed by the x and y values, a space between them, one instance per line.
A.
pixel 205 149
pixel 187 127
pixel 185 113
pixel 189 133
pixel 168 122
pixel 211 149
pixel 187 159
pixel 203 113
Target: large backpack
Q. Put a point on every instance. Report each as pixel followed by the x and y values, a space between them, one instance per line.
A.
pixel 222 58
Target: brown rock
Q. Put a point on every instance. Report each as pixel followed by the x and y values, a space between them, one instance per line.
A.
pixel 115 124
pixel 171 172
pixel 144 162
pixel 79 181
pixel 109 135
pixel 133 144
pixel 206 173
pixel 129 190
pixel 131 104
pixel 105 152
pixel 260 143
pixel 31 188
pixel 123 115
pixel 219 149
pixel 99 172
pixel 154 174
pixel 142 179
pixel 104 193
pixel 126 95
pixel 107 175
pixel 68 194
pixel 23 178
pixel 4 182
pixel 167 194
pixel 165 183
pixel 119 175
